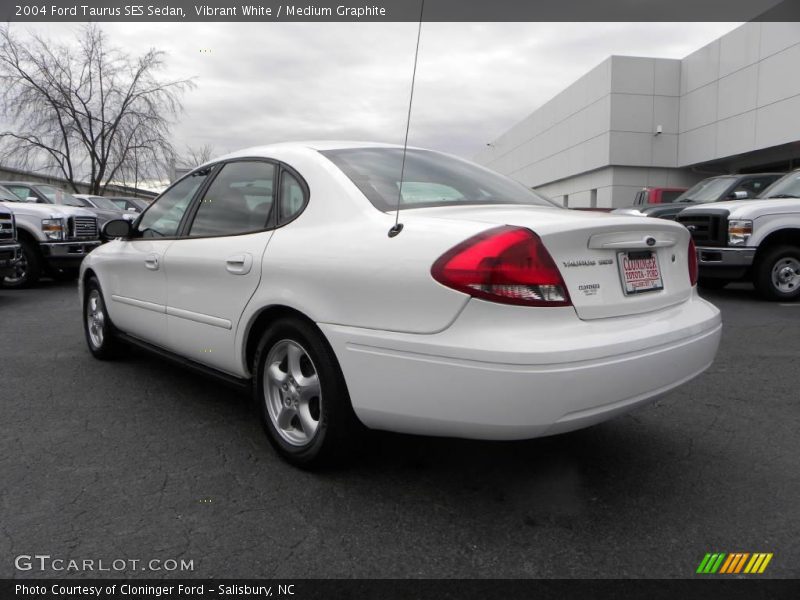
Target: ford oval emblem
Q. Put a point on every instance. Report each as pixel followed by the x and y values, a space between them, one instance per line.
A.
pixel 651 241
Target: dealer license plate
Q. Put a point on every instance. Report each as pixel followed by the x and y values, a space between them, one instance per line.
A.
pixel 639 272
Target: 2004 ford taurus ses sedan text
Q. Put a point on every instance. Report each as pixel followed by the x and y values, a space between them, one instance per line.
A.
pixel 492 313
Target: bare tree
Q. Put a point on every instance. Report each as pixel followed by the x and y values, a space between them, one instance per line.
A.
pixel 194 156
pixel 87 112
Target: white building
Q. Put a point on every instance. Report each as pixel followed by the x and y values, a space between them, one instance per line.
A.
pixel 733 106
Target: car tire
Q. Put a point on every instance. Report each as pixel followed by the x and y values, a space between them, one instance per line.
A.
pixel 777 273
pixel 29 268
pixel 711 283
pixel 302 397
pixel 97 326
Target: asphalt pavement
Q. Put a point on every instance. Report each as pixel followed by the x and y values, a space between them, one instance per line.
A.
pixel 138 459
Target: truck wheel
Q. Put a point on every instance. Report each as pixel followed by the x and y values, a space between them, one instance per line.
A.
pixel 97 324
pixel 777 273
pixel 28 269
pixel 302 397
pixel 711 283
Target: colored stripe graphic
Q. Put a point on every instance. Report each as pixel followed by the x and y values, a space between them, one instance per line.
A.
pixel 734 563
pixel 711 563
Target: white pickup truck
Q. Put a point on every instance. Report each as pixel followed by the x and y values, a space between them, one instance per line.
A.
pixel 53 240
pixel 757 240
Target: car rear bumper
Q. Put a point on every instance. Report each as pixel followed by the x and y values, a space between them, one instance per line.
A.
pixel 499 373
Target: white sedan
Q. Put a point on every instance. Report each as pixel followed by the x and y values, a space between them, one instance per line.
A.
pixel 492 314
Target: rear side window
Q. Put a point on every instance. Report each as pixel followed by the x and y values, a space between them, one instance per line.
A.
pixel 239 200
pixel 293 197
pixel 164 216
pixel 640 196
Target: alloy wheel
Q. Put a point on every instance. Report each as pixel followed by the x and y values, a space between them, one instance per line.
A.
pixel 95 318
pixel 292 392
pixel 20 271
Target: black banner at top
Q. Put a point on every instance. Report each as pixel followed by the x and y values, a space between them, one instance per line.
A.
pixel 400 10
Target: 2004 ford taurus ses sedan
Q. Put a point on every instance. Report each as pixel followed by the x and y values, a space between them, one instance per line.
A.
pixel 492 314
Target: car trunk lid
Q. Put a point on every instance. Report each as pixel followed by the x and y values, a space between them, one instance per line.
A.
pixel 612 265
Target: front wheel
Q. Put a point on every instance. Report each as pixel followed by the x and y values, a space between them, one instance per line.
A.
pixel 302 397
pixel 28 268
pixel 97 324
pixel 777 273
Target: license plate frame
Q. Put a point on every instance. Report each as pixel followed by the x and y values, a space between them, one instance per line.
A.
pixel 639 279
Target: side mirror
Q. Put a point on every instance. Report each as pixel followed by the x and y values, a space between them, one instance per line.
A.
pixel 116 228
pixel 31 199
pixel 740 195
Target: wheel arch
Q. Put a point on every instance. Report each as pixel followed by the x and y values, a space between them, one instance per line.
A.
pixel 88 274
pixel 262 319
pixel 24 234
pixel 779 237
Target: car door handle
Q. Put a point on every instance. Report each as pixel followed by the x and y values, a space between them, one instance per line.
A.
pixel 151 262
pixel 239 264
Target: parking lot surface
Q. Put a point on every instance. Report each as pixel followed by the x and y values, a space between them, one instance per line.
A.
pixel 140 459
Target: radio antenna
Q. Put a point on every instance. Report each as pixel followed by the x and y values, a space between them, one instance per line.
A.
pixel 398 226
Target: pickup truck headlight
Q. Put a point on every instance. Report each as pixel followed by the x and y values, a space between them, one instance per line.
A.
pixel 54 229
pixel 739 231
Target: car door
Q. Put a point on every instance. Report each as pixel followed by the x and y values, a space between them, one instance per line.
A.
pixel 215 268
pixel 134 281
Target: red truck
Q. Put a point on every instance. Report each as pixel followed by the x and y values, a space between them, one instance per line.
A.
pixel 657 195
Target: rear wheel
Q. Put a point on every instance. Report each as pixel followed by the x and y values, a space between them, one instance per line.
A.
pixel 302 396
pixel 97 324
pixel 28 269
pixel 777 273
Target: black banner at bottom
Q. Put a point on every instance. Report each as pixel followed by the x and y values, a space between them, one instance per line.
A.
pixel 396 589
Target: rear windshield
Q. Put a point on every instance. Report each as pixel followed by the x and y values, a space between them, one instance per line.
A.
pixel 670 195
pixel 430 179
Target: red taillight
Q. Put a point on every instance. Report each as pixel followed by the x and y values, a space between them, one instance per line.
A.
pixel 506 264
pixel 692 263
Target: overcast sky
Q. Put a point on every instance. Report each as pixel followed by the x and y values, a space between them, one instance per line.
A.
pixel 263 82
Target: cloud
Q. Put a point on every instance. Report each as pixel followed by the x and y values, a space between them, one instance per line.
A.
pixel 264 82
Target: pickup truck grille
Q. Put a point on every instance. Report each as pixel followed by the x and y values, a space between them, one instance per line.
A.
pixel 82 228
pixel 7 227
pixel 706 230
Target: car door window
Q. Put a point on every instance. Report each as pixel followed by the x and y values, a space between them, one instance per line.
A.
pixel 163 218
pixel 21 191
pixel 239 200
pixel 293 197
pixel 755 186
